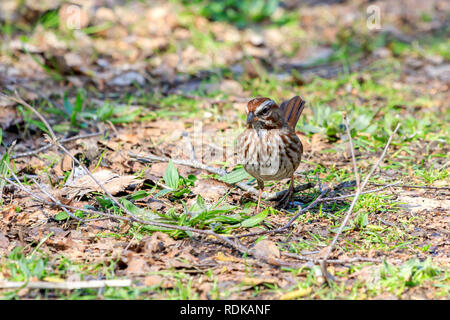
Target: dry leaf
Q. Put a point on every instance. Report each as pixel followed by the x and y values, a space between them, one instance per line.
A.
pixel 153 281
pixel 157 242
pixel 136 264
pixel 209 189
pixel 296 294
pixel 4 242
pixel 265 249
pixel 111 181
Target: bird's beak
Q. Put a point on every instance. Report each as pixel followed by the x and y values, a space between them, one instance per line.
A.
pixel 250 117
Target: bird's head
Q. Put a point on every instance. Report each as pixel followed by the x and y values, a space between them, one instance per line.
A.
pixel 263 113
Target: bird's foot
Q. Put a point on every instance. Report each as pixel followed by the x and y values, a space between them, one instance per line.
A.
pixel 286 201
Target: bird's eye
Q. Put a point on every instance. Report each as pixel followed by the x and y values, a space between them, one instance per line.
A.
pixel 265 111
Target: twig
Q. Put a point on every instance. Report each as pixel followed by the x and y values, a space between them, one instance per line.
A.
pixel 69 285
pixel 234 244
pixel 50 145
pixel 55 200
pixel 337 261
pixel 133 218
pixel 319 183
pixel 190 163
pixel 355 199
pixel 365 192
pixel 406 186
pixel 33 195
pixel 198 165
pixel 352 148
pixel 286 226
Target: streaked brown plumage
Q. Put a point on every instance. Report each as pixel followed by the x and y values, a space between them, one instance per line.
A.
pixel 269 149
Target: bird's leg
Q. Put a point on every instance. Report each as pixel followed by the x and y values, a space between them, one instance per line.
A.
pixel 287 198
pixel 260 188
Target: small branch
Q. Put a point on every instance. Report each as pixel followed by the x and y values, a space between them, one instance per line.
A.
pixel 70 285
pixel 355 199
pixel 286 226
pixel 352 148
pixel 337 261
pixel 365 192
pixel 50 145
pixel 198 165
pixel 190 163
pixel 133 217
pixel 407 186
pixel 55 201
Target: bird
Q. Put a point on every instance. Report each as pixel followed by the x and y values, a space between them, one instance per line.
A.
pixel 269 149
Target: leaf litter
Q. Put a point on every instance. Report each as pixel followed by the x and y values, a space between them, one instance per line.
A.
pixel 157 258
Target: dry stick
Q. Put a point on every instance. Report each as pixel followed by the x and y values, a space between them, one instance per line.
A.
pixel 406 186
pixel 286 226
pixel 190 163
pixel 352 148
pixel 55 200
pixel 364 192
pixel 50 145
pixel 33 195
pixel 21 186
pixel 337 261
pixel 221 172
pixel 198 165
pixel 54 141
pixel 355 199
pixel 70 285
pixel 132 218
pixel 242 249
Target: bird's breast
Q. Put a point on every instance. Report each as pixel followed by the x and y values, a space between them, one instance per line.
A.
pixel 269 154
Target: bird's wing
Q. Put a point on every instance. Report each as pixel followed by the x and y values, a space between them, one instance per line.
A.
pixel 292 110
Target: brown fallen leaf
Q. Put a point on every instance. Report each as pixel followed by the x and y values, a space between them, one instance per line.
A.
pixel 265 249
pixel 210 189
pixel 204 289
pixel 153 281
pixel 4 242
pixel 136 264
pixel 157 242
pixel 8 115
pixel 83 185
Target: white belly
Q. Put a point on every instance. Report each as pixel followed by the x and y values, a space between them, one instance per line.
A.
pixel 268 157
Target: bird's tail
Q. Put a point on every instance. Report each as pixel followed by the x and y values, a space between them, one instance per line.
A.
pixel 292 110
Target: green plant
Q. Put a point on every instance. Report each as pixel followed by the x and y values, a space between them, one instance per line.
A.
pixel 410 274
pixel 176 185
pixel 239 12
pixel 73 111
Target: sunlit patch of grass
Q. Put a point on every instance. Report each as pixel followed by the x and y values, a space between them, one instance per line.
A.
pixel 432 174
pixel 397 279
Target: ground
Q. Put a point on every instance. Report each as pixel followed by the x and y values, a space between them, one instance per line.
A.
pixel 172 79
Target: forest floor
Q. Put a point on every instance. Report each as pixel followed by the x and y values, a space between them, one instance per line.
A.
pixel 163 80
